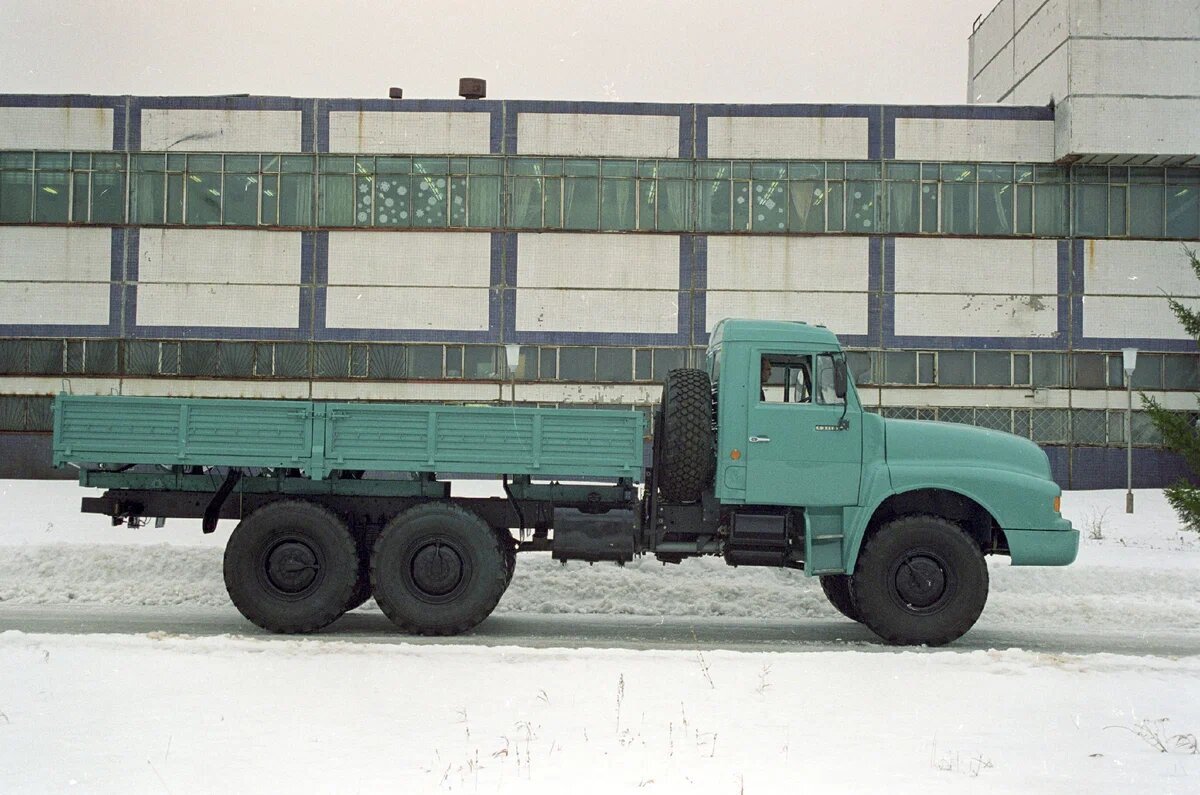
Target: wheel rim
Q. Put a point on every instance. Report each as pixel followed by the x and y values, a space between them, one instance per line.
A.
pixel 921 582
pixel 292 567
pixel 436 570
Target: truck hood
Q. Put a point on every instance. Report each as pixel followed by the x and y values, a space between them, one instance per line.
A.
pixel 950 444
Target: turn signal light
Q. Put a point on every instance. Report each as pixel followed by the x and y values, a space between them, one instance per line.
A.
pixel 1058 504
pixel 735 454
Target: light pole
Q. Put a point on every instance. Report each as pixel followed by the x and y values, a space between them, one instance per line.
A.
pixel 512 357
pixel 1129 355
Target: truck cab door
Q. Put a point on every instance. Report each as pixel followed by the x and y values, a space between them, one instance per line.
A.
pixel 805 444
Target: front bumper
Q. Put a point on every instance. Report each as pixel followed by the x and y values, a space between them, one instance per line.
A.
pixel 1042 547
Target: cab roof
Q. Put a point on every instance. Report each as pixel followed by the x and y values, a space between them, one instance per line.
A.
pixel 785 331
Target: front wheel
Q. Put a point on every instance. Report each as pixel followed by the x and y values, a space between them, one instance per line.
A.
pixel 837 591
pixel 920 580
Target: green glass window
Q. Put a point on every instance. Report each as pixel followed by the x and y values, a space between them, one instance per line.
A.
pixel 484 200
pixel 1091 210
pixel 619 207
pixel 526 203
pixel 1146 210
pixel 241 193
pixel 995 208
pixel 862 207
pixel 1183 211
pixel 1050 210
pixel 581 202
pixel 903 208
pixel 958 208
pixel 714 198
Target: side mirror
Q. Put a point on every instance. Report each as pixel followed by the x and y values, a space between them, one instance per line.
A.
pixel 839 378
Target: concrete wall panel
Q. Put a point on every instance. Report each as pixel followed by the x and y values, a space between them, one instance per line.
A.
pixel 1167 18
pixel 1132 317
pixel 843 313
pixel 56 128
pixel 1170 68
pixel 993 33
pixel 411 132
pixel 1115 125
pixel 422 259
pixel 458 308
pixel 55 254
pixel 772 136
pixel 974 139
pixel 788 263
pixel 1048 81
pixel 993 80
pixel 645 262
pixel 1044 31
pixel 54 303
pixel 597 134
pixel 222 305
pixel 1137 267
pixel 976 315
pixel 178 130
pixel 605 311
pixel 961 265
pixel 225 256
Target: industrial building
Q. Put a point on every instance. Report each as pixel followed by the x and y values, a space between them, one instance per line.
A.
pixel 985 263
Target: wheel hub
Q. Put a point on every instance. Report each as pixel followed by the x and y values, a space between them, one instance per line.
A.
pixel 437 569
pixel 920 581
pixel 292 566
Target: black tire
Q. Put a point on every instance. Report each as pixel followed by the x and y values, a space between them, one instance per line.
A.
pixel 837 591
pixel 920 580
pixel 685 467
pixel 438 569
pixel 291 566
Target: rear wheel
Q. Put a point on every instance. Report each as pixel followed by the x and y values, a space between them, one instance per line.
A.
pixel 837 591
pixel 687 457
pixel 291 566
pixel 920 580
pixel 438 569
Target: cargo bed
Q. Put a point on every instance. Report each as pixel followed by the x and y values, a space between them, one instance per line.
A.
pixel 319 437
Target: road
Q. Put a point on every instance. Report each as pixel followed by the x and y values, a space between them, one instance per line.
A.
pixel 595 631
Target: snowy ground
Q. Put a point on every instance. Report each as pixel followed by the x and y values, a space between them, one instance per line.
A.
pixel 160 711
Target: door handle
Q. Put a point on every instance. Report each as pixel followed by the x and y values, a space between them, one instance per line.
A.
pixel 757 439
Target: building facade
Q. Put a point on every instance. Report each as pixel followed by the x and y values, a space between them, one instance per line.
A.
pixel 388 250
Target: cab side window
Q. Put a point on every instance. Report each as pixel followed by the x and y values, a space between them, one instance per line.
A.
pixel 785 378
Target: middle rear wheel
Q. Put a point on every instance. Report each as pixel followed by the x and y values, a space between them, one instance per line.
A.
pixel 438 569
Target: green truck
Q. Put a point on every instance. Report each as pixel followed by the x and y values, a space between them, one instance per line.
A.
pixel 764 457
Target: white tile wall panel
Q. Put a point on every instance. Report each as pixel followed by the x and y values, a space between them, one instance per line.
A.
pixel 1163 68
pixel 975 139
pixel 976 315
pixel 55 254
pixel 788 263
pixel 770 136
pixel 54 303
pixel 970 266
pixel 1132 317
pixel 993 80
pixel 622 262
pixel 1173 18
pixel 1049 80
pixel 1044 31
pixel 1137 267
pixel 179 130
pixel 843 313
pixel 421 259
pixel 410 132
pixel 1024 9
pixel 56 128
pixel 627 311
pixel 218 256
pixel 429 308
pixel 993 33
pixel 598 134
pixel 222 305
pixel 1114 125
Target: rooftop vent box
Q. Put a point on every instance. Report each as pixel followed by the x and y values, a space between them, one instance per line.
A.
pixel 472 88
pixel 395 93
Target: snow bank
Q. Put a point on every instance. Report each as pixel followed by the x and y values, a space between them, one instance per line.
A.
pixel 1142 573
pixel 164 713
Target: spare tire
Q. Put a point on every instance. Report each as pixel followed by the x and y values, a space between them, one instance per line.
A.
pixel 688 453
